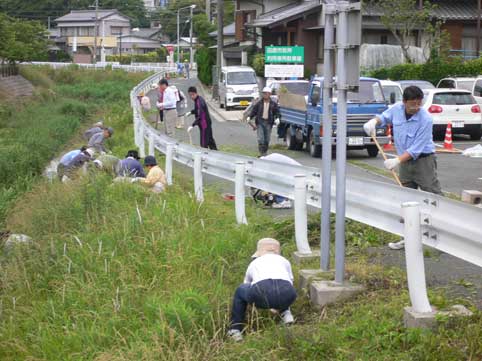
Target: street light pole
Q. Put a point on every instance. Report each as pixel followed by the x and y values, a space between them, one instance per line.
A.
pixel 95 30
pixel 178 51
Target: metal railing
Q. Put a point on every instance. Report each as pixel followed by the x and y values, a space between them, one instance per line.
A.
pixel 447 225
pixel 7 70
pixel 102 66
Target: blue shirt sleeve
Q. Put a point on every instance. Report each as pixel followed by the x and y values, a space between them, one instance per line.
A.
pixel 422 138
pixel 387 116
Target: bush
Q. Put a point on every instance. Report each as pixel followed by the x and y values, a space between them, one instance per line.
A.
pixel 158 56
pixel 257 63
pixel 205 59
pixel 432 71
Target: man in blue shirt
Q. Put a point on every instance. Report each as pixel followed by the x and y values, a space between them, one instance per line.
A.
pixel 130 166
pixel 412 132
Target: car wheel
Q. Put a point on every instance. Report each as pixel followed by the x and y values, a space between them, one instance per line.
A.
pixel 290 140
pixel 313 149
pixel 476 134
pixel 372 151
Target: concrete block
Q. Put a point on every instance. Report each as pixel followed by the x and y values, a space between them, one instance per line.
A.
pixel 412 319
pixel 306 276
pixel 471 196
pixel 326 292
pixel 300 258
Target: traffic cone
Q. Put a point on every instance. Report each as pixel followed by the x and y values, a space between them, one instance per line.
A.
pixel 389 146
pixel 448 137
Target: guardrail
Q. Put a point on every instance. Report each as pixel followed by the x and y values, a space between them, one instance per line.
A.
pixel 447 225
pixel 130 68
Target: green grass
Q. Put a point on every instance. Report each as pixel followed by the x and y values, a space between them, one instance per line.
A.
pixel 120 273
pixel 32 133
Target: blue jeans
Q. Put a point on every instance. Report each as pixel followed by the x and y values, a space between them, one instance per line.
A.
pixel 264 136
pixel 277 294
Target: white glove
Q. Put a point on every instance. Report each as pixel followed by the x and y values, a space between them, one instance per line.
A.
pixel 370 127
pixel 159 105
pixel 392 163
pixel 276 121
pixel 189 129
pixel 134 180
pixel 248 119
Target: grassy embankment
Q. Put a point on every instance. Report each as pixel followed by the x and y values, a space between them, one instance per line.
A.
pixel 119 273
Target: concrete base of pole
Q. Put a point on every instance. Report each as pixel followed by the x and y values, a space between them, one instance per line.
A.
pixel 300 258
pixel 325 292
pixel 413 319
pixel 306 276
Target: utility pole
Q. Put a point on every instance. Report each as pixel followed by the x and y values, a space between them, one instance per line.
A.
pixel 208 10
pixel 95 30
pixel 219 50
pixel 191 57
pixel 48 27
pixel 178 43
pixel 478 27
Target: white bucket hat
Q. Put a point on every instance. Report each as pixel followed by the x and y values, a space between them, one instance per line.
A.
pixel 265 246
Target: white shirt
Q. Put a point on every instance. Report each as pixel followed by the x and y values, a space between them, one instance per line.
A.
pixel 269 266
pixel 168 99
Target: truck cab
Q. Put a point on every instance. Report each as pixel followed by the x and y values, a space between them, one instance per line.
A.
pixel 306 126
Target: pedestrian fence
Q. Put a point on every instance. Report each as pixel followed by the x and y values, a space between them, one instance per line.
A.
pixel 160 67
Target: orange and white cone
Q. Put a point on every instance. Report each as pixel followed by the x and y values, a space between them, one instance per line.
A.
pixel 448 137
pixel 389 146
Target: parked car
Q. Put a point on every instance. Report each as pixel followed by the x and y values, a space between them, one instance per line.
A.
pixel 457 83
pixel 457 106
pixel 422 84
pixel 304 125
pixel 477 89
pixel 238 86
pixel 392 91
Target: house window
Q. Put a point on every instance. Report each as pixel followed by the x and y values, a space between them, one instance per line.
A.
pixel 67 32
pixel 116 30
pixel 384 39
pixel 85 31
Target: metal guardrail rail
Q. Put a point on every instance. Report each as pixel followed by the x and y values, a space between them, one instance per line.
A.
pixel 447 225
pixel 130 68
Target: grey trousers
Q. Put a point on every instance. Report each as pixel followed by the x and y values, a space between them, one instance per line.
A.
pixel 264 136
pixel 421 173
pixel 170 118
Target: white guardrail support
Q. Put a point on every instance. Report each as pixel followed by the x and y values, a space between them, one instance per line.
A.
pixel 198 177
pixel 240 194
pixel 169 155
pixel 142 144
pixel 151 140
pixel 301 215
pixel 414 258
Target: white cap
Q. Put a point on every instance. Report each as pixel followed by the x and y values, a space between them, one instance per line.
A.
pixel 267 89
pixel 267 245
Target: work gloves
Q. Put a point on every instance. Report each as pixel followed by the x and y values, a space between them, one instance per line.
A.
pixel 189 129
pixel 370 127
pixel 276 121
pixel 392 163
pixel 159 105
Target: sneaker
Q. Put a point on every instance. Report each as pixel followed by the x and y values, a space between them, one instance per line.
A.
pixel 397 245
pixel 287 317
pixel 235 335
pixel 282 205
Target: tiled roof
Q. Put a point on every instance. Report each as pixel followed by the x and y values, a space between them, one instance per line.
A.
pixel 228 30
pixel 87 15
pixel 285 13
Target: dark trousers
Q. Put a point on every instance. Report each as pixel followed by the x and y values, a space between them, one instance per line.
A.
pixel 421 173
pixel 264 136
pixel 277 294
pixel 206 138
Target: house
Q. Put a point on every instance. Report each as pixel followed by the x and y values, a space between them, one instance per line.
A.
pixel 140 41
pixel 283 22
pixel 77 32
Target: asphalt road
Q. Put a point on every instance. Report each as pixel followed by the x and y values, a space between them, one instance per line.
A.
pixel 456 172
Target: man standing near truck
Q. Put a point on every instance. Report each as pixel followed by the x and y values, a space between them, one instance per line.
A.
pixel 412 131
pixel 266 113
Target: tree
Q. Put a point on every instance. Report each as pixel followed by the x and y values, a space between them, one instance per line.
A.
pixel 22 40
pixel 202 27
pixel 403 18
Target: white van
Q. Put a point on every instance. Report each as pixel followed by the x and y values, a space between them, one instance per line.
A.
pixel 237 86
pixel 477 90
pixel 392 91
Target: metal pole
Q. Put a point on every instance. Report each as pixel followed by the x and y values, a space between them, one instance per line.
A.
pixel 327 134
pixel 478 26
pixel 142 146
pixel 151 144
pixel 301 217
pixel 220 43
pixel 169 155
pixel 239 191
pixel 190 42
pixel 208 10
pixel 178 43
pixel 414 257
pixel 198 177
pixel 341 40
pixel 95 30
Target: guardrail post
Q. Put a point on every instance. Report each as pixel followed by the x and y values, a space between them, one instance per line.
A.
pixel 198 177
pixel 151 144
pixel 301 221
pixel 414 258
pixel 142 146
pixel 169 155
pixel 239 191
